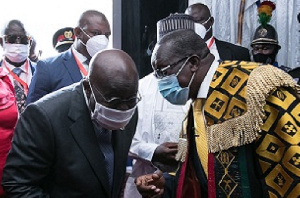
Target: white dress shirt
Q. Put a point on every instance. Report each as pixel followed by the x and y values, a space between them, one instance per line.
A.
pixel 159 121
pixel 26 76
pixel 81 59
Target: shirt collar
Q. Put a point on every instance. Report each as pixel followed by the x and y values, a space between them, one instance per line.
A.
pixel 213 45
pixel 78 55
pixel 11 67
pixel 203 91
pixel 208 40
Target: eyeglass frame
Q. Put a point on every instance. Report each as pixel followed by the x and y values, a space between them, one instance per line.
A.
pixel 5 37
pixel 167 67
pixel 138 97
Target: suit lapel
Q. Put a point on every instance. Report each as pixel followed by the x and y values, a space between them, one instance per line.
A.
pixel 224 52
pixel 83 133
pixel 71 66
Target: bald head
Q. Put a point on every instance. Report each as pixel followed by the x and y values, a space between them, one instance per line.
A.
pixel 86 18
pixel 114 73
pixel 201 15
pixel 198 11
pixel 14 26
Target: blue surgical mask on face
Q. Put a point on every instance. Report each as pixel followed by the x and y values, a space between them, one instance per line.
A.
pixel 171 90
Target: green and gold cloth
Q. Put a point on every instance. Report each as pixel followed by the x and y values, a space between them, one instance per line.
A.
pixel 253 134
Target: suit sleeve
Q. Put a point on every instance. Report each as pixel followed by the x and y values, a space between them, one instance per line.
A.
pixel 30 158
pixel 245 55
pixel 40 83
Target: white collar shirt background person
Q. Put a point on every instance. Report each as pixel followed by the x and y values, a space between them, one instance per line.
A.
pixel 159 121
pixel 26 76
pixel 82 59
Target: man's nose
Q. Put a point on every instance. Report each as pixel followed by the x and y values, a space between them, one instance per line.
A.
pixel 123 106
pixel 18 40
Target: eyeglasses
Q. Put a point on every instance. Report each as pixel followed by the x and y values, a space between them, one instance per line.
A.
pixel 22 39
pixel 161 73
pixel 115 101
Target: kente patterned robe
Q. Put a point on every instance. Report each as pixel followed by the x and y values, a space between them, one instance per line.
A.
pixel 253 136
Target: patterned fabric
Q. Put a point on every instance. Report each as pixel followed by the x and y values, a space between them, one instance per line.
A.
pixel 269 166
pixel 19 90
pixel 200 133
pixel 277 147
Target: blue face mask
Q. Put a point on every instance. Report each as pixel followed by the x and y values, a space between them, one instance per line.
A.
pixel 170 89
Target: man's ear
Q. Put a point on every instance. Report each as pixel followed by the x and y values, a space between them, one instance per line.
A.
pixel 212 21
pixel 77 32
pixel 30 43
pixel 195 63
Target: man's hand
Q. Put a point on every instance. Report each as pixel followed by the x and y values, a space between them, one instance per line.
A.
pixel 151 185
pixel 164 157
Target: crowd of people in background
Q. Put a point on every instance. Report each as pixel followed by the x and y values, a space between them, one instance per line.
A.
pixel 213 119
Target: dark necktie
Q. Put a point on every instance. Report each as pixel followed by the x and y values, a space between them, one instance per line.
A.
pixel 87 62
pixel 104 140
pixel 19 90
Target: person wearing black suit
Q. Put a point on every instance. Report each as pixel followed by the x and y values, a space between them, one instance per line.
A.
pixel 203 27
pixel 60 148
pixel 91 36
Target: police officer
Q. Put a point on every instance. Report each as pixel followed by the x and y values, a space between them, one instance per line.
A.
pixel 265 46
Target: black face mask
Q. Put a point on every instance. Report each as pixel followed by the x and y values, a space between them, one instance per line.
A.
pixel 263 58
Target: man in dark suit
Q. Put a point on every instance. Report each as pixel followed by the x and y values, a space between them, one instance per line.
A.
pixel 91 34
pixel 74 142
pixel 203 27
pixel 16 43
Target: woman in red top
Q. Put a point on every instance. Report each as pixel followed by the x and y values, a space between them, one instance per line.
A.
pixel 8 118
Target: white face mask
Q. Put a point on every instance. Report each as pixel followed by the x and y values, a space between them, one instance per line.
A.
pixel 16 53
pixel 200 28
pixel 111 119
pixel 95 43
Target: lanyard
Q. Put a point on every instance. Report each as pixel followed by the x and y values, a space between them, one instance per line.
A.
pixel 80 66
pixel 17 78
pixel 211 42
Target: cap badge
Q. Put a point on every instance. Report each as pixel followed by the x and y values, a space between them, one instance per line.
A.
pixel 68 34
pixel 262 32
